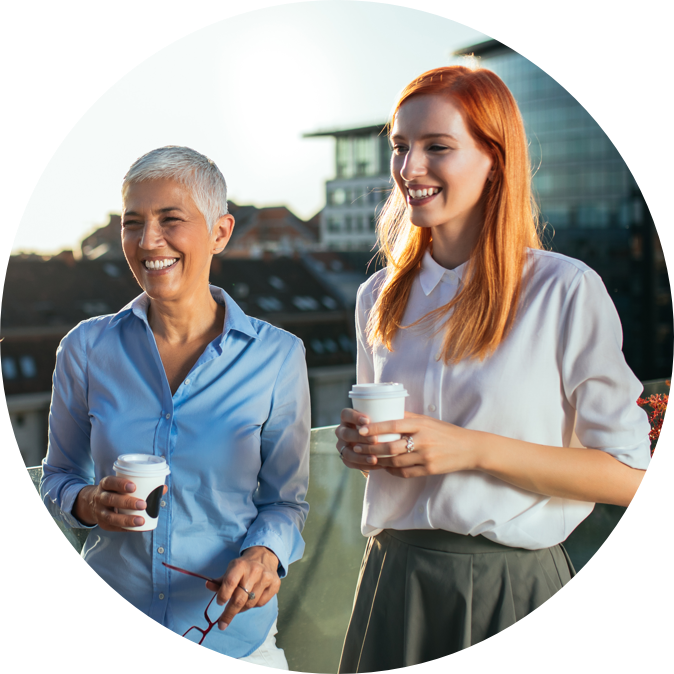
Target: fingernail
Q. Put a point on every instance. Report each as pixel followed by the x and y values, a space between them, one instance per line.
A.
pixel 363 430
pixel 138 521
pixel 370 459
pixel 141 505
pixel 362 420
pixel 358 449
pixel 129 486
pixel 223 625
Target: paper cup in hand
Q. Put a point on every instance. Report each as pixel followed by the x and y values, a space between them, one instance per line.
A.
pixel 380 402
pixel 148 473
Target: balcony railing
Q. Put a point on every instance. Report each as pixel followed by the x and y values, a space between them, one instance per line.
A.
pixel 316 597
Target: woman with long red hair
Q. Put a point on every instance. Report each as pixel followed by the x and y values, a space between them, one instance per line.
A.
pixel 505 349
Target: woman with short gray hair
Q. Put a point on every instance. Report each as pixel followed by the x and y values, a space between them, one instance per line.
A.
pixel 182 373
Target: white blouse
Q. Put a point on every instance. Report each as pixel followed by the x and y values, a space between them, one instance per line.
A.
pixel 560 366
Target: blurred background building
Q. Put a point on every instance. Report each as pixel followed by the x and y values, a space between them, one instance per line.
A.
pixel 358 190
pixel 591 205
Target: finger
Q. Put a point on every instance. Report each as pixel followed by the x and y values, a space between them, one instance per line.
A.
pixel 117 484
pixel 360 461
pixel 353 417
pixel 381 449
pixel 235 605
pixel 110 499
pixel 400 426
pixel 109 520
pixel 350 435
pixel 411 471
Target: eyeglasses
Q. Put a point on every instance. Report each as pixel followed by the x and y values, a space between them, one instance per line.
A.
pixel 211 623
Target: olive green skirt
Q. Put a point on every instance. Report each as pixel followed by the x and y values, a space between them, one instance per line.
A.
pixel 425 594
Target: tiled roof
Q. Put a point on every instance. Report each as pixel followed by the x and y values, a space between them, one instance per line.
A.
pixel 43 299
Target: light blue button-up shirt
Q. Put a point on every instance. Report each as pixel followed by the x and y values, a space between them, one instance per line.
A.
pixel 235 435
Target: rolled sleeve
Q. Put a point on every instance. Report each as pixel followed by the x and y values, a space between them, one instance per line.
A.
pixel 284 474
pixel 597 381
pixel 68 466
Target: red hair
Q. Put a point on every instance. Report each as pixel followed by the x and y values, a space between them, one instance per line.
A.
pixel 480 316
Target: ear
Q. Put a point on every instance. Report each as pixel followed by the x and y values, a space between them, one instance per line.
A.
pixel 222 232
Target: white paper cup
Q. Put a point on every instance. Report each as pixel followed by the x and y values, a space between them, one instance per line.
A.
pixel 380 402
pixel 148 473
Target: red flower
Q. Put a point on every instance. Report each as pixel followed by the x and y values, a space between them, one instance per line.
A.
pixel 655 406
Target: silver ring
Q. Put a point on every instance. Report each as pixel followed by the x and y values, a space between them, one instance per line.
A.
pixel 410 443
pixel 341 451
pixel 251 595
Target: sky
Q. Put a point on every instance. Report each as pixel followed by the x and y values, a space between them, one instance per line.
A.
pixel 242 91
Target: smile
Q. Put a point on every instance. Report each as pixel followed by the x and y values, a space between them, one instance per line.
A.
pixel 158 265
pixel 422 193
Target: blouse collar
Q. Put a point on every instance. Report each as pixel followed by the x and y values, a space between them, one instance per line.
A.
pixel 433 273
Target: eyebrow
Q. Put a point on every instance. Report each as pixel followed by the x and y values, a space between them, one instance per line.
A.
pixel 429 136
pixel 161 210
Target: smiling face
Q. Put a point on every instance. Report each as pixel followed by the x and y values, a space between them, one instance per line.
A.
pixel 439 167
pixel 166 239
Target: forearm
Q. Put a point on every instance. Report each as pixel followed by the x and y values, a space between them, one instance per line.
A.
pixel 566 472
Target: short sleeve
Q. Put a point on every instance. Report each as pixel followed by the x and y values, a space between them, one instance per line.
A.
pixel 597 381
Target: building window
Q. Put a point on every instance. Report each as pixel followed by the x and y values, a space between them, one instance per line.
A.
pixel 348 223
pixel 373 223
pixel 344 157
pixel 337 197
pixel 9 369
pixel 365 151
pixel 333 225
pixel 28 366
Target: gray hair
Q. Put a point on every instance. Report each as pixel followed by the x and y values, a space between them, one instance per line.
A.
pixel 194 170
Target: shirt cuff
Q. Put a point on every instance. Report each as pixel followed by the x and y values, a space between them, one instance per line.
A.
pixel 67 505
pixel 271 540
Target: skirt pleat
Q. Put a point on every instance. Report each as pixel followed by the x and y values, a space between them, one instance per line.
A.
pixel 422 595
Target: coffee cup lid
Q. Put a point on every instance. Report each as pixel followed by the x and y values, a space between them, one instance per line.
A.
pixel 379 390
pixel 141 465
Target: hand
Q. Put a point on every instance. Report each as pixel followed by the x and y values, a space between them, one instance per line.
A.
pixel 99 504
pixel 439 447
pixel 347 436
pixel 256 570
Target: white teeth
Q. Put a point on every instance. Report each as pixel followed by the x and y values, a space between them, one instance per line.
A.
pixel 159 264
pixel 420 194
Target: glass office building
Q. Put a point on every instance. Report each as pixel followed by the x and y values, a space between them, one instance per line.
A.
pixel 591 205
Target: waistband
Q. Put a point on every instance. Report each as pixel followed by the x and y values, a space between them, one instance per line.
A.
pixel 447 541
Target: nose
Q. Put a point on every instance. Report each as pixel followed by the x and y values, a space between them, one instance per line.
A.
pixel 153 235
pixel 413 166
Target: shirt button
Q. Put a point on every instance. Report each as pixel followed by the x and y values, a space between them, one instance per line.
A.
pixel 160 551
pixel 168 416
pixel 163 504
pixel 432 408
pixel 187 382
pixel 161 595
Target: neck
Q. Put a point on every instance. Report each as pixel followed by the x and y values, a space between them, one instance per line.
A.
pixel 186 319
pixel 453 242
pixel 451 251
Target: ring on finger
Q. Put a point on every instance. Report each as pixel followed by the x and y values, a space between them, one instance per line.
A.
pixel 251 595
pixel 410 443
pixel 341 451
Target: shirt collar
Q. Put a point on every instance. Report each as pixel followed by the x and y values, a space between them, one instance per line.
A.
pixel 432 273
pixel 235 319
